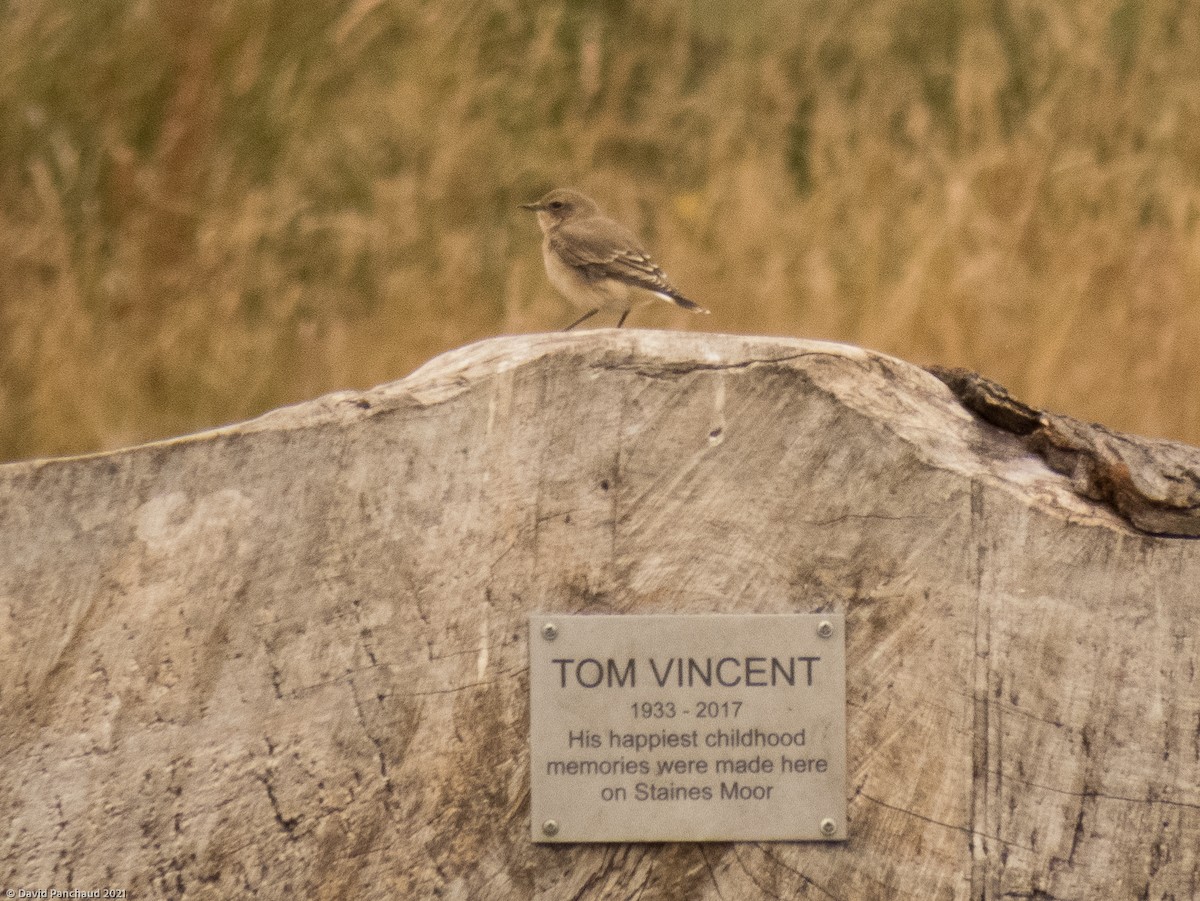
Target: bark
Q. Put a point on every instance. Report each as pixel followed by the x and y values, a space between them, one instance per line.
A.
pixel 1152 483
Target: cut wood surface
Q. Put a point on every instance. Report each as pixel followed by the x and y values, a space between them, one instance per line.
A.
pixel 287 658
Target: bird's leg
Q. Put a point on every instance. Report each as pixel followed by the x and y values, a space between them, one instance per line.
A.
pixel 621 321
pixel 588 315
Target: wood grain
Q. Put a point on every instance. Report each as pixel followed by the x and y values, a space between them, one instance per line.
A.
pixel 288 656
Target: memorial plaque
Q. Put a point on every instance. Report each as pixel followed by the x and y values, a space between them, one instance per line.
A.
pixel 687 728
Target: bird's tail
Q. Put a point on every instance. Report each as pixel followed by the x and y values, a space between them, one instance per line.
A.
pixel 680 300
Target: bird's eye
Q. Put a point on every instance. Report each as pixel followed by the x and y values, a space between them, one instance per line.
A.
pixel 556 204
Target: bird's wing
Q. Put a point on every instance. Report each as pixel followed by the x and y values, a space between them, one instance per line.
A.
pixel 600 248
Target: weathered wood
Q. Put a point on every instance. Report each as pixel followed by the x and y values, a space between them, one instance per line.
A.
pixel 1154 484
pixel 288 657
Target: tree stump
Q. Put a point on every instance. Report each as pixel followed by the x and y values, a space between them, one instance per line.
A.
pixel 288 657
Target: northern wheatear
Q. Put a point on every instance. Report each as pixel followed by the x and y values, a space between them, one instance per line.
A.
pixel 595 262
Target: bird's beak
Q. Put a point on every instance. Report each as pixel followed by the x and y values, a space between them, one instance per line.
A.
pixel 530 206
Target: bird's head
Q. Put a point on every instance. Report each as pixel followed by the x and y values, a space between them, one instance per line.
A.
pixel 560 205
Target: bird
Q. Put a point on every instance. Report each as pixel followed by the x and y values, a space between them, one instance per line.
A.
pixel 594 261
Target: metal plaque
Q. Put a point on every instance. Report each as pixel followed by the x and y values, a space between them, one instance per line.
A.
pixel 687 728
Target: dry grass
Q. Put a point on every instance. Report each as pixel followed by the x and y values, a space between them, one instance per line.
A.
pixel 208 211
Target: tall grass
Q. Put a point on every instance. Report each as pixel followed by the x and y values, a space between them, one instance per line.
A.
pixel 207 210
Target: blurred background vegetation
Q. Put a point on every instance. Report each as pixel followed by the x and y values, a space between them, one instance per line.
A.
pixel 208 209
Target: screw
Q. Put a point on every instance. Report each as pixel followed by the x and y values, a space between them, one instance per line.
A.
pixel 825 629
pixel 549 631
pixel 828 826
pixel 550 827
